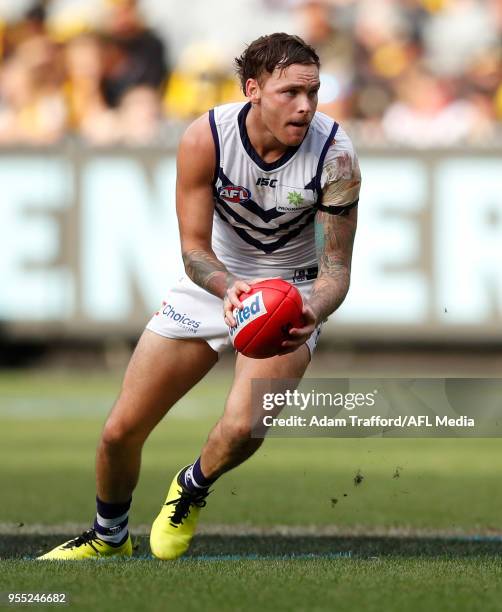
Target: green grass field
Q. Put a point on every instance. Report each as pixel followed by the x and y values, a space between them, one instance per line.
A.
pixel 288 530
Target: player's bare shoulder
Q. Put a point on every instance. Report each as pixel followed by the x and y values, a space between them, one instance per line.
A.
pixel 196 152
pixel 341 175
pixel 194 184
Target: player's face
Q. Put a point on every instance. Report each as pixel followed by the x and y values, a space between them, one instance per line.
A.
pixel 287 101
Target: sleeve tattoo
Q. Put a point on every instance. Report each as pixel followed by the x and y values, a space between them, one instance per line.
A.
pixel 334 241
pixel 334 235
pixel 207 271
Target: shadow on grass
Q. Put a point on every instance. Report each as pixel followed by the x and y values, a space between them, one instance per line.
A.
pixel 277 546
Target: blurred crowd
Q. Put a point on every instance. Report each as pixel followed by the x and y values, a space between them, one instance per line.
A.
pixel 405 72
pixel 415 72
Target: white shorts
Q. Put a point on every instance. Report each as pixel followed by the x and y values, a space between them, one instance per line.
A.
pixel 191 312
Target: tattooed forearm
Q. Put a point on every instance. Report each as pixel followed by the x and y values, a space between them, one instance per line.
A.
pixel 207 271
pixel 334 241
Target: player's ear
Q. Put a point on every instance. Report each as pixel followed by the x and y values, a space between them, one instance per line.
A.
pixel 253 90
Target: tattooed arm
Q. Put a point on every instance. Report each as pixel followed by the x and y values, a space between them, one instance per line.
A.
pixel 207 271
pixel 334 241
pixel 335 227
pixel 195 207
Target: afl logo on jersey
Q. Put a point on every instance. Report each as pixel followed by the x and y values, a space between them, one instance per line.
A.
pixel 234 194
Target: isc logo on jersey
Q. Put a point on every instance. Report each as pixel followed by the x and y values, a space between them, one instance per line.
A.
pixel 252 308
pixel 234 194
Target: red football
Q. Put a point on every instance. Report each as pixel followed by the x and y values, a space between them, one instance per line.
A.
pixel 269 311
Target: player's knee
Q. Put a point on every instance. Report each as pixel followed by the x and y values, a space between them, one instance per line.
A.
pixel 117 433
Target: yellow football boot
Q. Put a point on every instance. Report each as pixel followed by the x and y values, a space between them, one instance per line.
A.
pixel 173 529
pixel 87 546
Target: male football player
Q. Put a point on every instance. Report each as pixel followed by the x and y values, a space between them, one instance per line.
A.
pixel 268 188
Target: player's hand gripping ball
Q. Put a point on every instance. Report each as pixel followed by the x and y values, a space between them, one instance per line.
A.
pixel 269 311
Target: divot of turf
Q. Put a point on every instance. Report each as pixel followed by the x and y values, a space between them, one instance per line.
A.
pixel 358 478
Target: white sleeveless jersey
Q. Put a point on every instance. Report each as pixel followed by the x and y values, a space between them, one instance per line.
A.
pixel 264 212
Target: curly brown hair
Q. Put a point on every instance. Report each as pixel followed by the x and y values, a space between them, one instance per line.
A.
pixel 267 53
